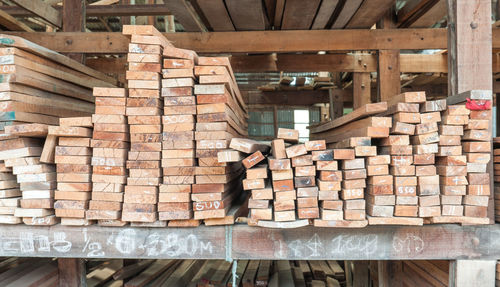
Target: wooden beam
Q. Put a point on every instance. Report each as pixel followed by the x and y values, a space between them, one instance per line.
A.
pixel 124 9
pixel 432 16
pixel 470 59
pixel 72 272
pixel 369 13
pixel 295 98
pixel 388 75
pixel 247 15
pixel 299 14
pixel 216 14
pixel 74 21
pixel 389 82
pixel 244 42
pixel 465 273
pixel 347 11
pixel 278 14
pixel 390 273
pixel 12 23
pixel 186 15
pixel 42 10
pixel 125 20
pixel 409 63
pixel 325 13
pixel 361 89
pixel 336 104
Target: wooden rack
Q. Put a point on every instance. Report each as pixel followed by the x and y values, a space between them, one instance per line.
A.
pixel 238 242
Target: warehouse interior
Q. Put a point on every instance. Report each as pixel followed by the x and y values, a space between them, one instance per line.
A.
pixel 334 73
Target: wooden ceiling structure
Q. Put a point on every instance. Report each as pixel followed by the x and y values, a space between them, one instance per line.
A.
pixel 364 43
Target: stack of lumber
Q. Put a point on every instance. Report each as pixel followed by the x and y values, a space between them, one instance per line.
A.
pixel 252 154
pixel 427 142
pixel 468 178
pixel 72 158
pixel 496 161
pixel 39 85
pixel 37 180
pixel 221 116
pixel 301 175
pixel 110 145
pixel 28 272
pixel 437 154
pixel 451 162
pixel 220 273
pixel 143 111
pixel 10 194
pixel 178 149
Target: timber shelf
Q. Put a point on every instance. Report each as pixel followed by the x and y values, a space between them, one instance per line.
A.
pixel 432 242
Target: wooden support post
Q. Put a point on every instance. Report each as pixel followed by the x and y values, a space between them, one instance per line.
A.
pixel 389 273
pixel 74 21
pixel 360 274
pixel 469 56
pixel 275 120
pixel 348 273
pixel 125 19
pixel 467 273
pixel 469 46
pixel 336 104
pixel 361 89
pixel 72 272
pixel 388 72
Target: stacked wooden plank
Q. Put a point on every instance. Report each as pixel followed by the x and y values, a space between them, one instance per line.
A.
pixel 451 162
pixel 143 111
pixel 110 145
pixel 37 179
pixel 72 158
pixel 178 154
pixel 221 115
pixel 352 174
pixel 252 155
pixel 467 189
pixel 426 143
pixel 10 194
pixel 496 167
pixel 39 85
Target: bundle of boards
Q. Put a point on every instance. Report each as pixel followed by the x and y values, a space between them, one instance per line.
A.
pixel 431 161
pixel 155 142
pixel 199 273
pixel 38 87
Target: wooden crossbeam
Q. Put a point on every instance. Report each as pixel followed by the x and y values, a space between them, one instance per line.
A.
pixel 269 41
pixel 103 10
pixel 13 24
pixel 42 10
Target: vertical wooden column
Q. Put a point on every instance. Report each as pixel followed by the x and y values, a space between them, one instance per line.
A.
pixel 360 89
pixel 275 120
pixel 336 104
pixel 469 46
pixel 388 72
pixel 125 19
pixel 72 272
pixel 361 274
pixel 469 56
pixel 471 273
pixel 389 273
pixel 74 21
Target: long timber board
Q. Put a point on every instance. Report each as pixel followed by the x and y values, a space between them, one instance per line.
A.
pixel 444 242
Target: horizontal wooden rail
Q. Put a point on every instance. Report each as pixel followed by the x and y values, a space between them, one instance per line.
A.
pixel 433 242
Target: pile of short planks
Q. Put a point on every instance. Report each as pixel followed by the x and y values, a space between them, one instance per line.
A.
pixel 38 88
pixel 425 160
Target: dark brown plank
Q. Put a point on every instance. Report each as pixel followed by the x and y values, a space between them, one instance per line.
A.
pixel 247 15
pixel 298 14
